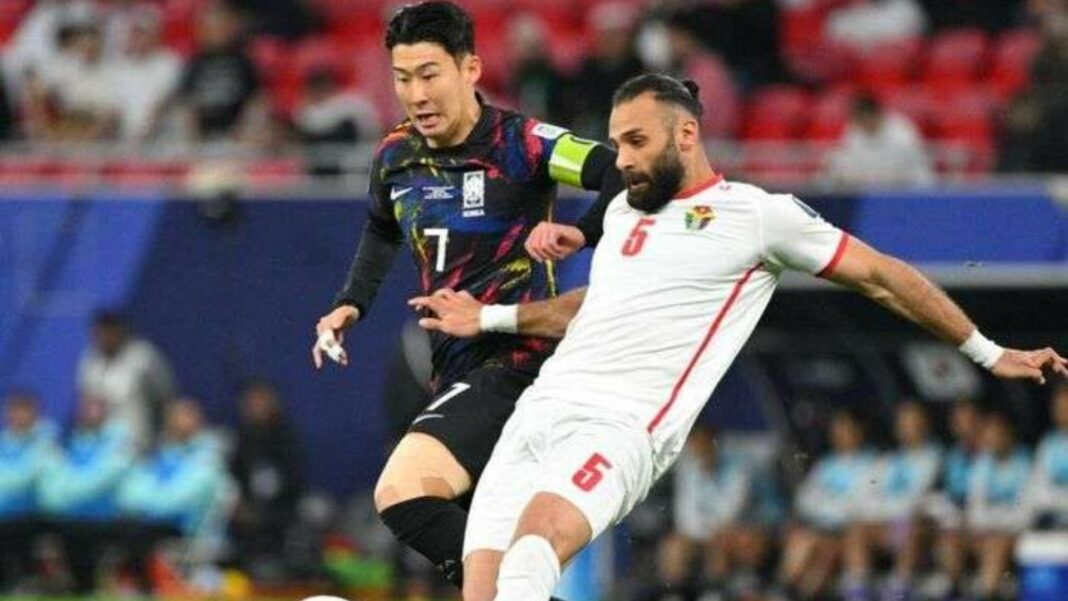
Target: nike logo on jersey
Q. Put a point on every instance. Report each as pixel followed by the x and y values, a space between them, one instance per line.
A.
pixel 426 417
pixel 398 192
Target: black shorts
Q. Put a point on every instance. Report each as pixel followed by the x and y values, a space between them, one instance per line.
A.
pixel 468 416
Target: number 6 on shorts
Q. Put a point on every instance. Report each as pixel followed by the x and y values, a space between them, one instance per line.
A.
pixel 591 474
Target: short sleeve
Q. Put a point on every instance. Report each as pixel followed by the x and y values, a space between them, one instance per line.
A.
pixel 794 236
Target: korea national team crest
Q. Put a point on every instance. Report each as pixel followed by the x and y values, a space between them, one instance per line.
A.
pixel 474 194
pixel 698 217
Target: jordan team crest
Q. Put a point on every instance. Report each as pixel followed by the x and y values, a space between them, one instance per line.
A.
pixel 698 217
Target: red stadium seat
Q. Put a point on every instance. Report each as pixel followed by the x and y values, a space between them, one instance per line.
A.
pixel 916 102
pixel 955 58
pixel 829 115
pixel 11 14
pixel 1013 56
pixel 776 113
pixel 965 116
pixel 887 66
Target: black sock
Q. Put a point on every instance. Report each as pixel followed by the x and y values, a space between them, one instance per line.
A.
pixel 435 528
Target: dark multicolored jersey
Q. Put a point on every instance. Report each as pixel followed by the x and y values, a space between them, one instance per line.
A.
pixel 465 212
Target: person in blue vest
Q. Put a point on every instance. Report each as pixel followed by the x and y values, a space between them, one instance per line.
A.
pixel 997 509
pixel 947 508
pixel 1049 489
pixel 889 518
pixel 26 442
pixel 171 492
pixel 79 487
pixel 825 506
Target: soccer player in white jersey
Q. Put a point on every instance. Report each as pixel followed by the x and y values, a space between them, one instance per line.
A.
pixel 686 267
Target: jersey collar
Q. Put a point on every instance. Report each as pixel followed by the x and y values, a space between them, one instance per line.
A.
pixel 714 179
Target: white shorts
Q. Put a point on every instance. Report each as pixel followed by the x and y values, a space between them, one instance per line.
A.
pixel 603 467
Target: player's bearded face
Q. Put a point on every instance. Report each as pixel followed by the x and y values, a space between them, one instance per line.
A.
pixel 650 190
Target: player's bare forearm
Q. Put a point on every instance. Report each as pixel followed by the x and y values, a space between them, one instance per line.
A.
pixel 549 318
pixel 901 288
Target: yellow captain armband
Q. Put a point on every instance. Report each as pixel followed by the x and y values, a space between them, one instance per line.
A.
pixel 568 157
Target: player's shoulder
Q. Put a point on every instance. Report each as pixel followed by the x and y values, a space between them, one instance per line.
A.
pixel 752 196
pixel 394 142
pixel 528 126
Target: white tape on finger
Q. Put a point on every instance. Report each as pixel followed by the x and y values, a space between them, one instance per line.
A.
pixel 329 344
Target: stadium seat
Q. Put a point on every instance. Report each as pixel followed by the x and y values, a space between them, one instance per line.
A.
pixel 829 115
pixel 916 102
pixel 776 113
pixel 11 13
pixel 955 58
pixel 887 66
pixel 1012 60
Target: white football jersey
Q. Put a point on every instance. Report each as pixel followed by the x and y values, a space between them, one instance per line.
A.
pixel 672 298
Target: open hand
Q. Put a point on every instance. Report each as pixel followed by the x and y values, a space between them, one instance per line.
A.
pixel 454 313
pixel 1029 364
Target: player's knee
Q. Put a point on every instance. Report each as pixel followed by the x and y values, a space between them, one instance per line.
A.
pixel 558 521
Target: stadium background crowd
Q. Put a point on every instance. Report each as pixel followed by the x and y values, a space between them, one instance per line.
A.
pixel 820 92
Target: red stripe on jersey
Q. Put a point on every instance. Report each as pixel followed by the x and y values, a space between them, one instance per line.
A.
pixel 838 252
pixel 701 187
pixel 704 345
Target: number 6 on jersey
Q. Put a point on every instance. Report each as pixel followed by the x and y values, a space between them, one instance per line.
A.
pixel 442 234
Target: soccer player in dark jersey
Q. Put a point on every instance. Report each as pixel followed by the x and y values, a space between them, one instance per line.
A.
pixel 463 183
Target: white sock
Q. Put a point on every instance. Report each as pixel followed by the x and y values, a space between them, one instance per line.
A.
pixel 529 571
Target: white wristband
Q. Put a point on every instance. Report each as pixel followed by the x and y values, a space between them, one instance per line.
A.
pixel 499 318
pixel 981 349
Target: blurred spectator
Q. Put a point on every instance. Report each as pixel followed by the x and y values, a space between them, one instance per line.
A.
pixel 26 443
pixel 1036 123
pixel 825 506
pixel 80 485
pixel 880 147
pixel 718 94
pixel 287 19
pixel 266 465
pixel 965 423
pixel 888 519
pixel 536 84
pixel 128 372
pixel 219 95
pixel 147 75
pixel 997 511
pixel 332 120
pixel 612 62
pixel 7 112
pixel 173 491
pixel 39 36
pixel 118 20
pixel 741 31
pixel 1049 488
pixel 870 23
pixel 74 96
pixel 712 494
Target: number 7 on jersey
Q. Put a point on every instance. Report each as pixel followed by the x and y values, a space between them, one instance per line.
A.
pixel 442 234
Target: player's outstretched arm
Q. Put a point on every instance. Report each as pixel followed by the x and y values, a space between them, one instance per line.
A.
pixel 904 290
pixel 462 315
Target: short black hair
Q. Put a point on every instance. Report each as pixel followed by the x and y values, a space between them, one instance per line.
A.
pixel 438 22
pixel 665 88
pixel 109 318
pixel 866 104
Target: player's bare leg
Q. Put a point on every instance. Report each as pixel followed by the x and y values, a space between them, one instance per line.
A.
pixel 480 574
pixel 551 531
pixel 414 497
